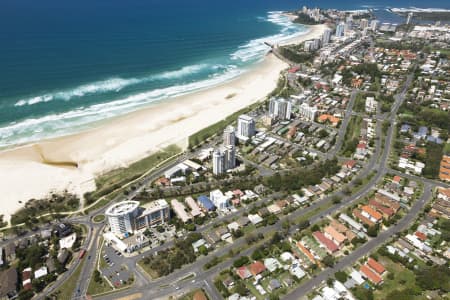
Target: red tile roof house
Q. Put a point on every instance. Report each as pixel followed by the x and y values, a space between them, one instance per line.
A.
pixel 361 149
pixel 358 215
pixel 282 203
pixel 387 202
pixel 376 266
pixel 396 179
pixel 26 279
pixel 305 251
pixel 243 272
pixel 257 268
pixel 421 236
pixel 326 242
pixel 387 212
pixel 369 274
pixel 349 164
pixel 370 213
pixel 334 235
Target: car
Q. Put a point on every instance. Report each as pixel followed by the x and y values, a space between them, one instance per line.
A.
pixel 177 287
pixel 89 257
pixel 193 281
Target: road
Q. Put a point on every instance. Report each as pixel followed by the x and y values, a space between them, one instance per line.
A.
pixel 158 288
pixel 382 237
pixel 364 249
pixel 65 276
pixel 344 125
pixel 155 289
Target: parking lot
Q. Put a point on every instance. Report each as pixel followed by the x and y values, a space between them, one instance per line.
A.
pixel 115 267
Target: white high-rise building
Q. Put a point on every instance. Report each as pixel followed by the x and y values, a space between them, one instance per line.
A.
pixel 230 157
pixel 308 46
pixel 374 25
pixel 246 127
pixel 280 108
pixel 122 217
pixel 409 18
pixel 308 112
pixel 218 162
pixel 340 29
pixel 364 23
pixel 229 136
pixel 127 217
pixel 316 43
pixel 326 36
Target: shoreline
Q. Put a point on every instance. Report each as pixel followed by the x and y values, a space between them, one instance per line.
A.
pixel 72 162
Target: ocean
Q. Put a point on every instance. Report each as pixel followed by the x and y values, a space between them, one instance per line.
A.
pixel 67 65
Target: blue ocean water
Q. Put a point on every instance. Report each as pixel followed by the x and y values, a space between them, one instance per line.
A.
pixel 67 64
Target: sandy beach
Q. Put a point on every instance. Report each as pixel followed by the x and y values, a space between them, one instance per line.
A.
pixel 25 175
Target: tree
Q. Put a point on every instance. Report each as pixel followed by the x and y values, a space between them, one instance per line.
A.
pixel 341 276
pixel 303 225
pixel 336 199
pixel 203 250
pixel 439 274
pixel 243 260
pixel 257 254
pixel 328 261
pixel 190 227
pixel 372 231
pixel 241 289
pixel 97 276
pixel 330 281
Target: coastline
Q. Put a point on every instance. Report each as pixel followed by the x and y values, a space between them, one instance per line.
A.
pixel 79 158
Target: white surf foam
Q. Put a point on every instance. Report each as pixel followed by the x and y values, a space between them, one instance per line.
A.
pixel 33 129
pixel 109 85
pixel 255 49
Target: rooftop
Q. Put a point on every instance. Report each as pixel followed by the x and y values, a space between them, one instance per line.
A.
pixel 122 208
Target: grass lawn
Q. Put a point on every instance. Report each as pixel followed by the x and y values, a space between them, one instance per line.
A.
pixel 99 218
pixel 315 211
pixel 152 273
pixel 66 290
pixel 114 179
pixel 403 279
pixel 96 288
pixel 360 103
pixel 351 137
pixel 443 51
pixel 253 290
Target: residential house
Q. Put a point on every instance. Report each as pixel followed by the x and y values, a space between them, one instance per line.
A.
pixel 325 242
pixel 357 213
pixel 366 272
pixel 243 272
pixel 273 285
pixel 257 268
pixel 376 266
pixel 371 214
pixel 334 235
pixel 272 264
